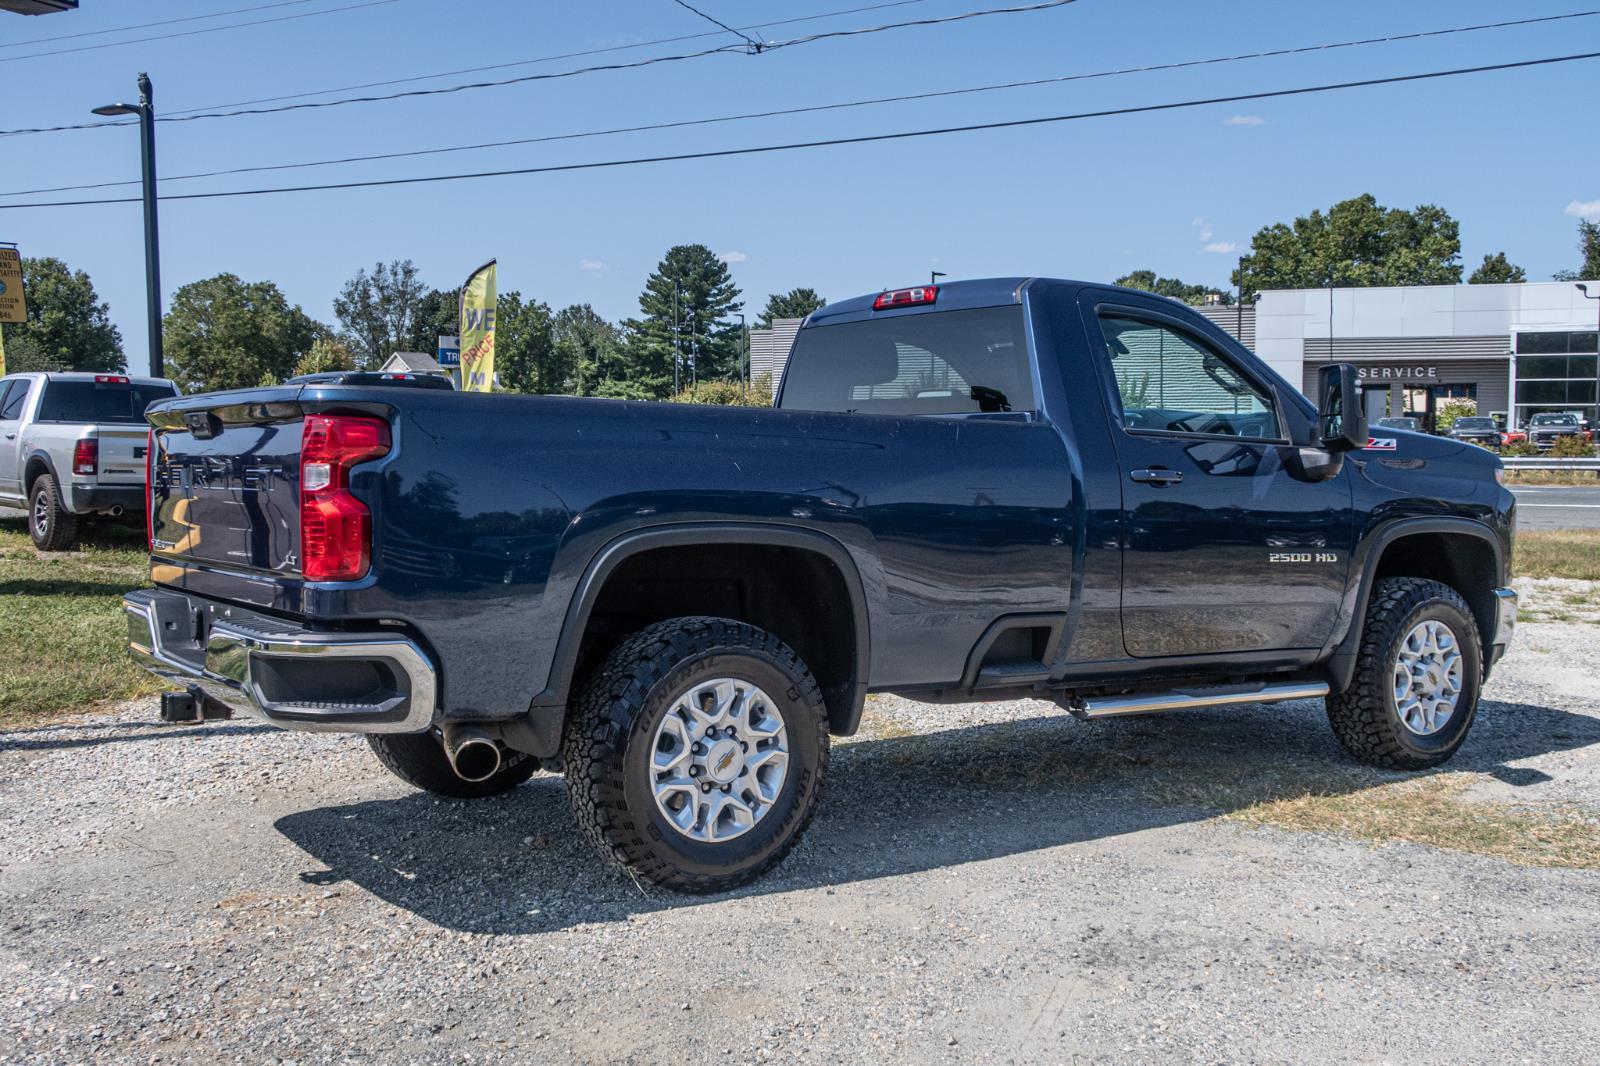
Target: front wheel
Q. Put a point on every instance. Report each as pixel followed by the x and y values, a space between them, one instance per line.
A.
pixel 696 753
pixel 1414 692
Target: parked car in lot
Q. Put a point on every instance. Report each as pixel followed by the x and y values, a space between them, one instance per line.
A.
pixel 1546 428
pixel 982 490
pixel 72 447
pixel 1400 422
pixel 1479 429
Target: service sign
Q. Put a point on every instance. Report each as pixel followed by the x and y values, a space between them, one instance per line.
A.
pixel 12 307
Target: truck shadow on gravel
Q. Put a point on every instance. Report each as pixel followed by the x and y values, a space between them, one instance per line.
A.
pixel 892 805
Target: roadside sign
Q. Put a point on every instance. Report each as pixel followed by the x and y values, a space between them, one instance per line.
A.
pixel 12 307
pixel 449 351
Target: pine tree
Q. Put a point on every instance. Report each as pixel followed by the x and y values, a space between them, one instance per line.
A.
pixel 684 310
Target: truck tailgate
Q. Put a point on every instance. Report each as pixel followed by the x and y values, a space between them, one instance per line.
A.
pixel 121 454
pixel 226 494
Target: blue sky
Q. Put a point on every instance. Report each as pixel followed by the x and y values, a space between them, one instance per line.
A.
pixel 1512 155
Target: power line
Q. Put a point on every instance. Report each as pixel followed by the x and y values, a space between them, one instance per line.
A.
pixel 149 25
pixel 546 59
pixel 193 33
pixel 813 108
pixel 1043 5
pixel 838 141
pixel 751 41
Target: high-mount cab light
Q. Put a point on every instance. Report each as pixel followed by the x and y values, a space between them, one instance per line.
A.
pixel 110 379
pixel 922 294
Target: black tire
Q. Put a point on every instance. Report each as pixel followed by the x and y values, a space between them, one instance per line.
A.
pixel 610 741
pixel 1365 717
pixel 52 526
pixel 418 759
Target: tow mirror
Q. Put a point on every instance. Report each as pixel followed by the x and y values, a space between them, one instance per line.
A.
pixel 1341 418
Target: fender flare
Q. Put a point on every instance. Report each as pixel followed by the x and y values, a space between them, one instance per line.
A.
pixel 548 709
pixel 1343 648
pixel 49 466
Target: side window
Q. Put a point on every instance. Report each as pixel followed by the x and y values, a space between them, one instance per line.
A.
pixel 12 399
pixel 1169 382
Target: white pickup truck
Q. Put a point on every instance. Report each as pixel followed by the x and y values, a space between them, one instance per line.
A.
pixel 72 445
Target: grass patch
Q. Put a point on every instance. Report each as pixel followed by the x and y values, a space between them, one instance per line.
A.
pixel 62 627
pixel 1571 553
pixel 1431 811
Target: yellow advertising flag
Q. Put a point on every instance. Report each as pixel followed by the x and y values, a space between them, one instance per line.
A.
pixel 2 353
pixel 478 297
pixel 12 306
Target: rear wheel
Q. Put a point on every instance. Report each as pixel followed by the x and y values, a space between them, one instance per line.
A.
pixel 52 526
pixel 696 754
pixel 419 760
pixel 1414 693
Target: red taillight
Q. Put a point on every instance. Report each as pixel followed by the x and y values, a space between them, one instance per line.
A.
pixel 149 488
pixel 335 527
pixel 110 379
pixel 924 294
pixel 86 457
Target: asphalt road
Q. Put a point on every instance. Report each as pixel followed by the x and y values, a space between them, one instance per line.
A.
pixel 1556 507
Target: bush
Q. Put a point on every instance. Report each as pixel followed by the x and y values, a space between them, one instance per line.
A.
pixel 1450 410
pixel 727 394
pixel 1571 447
pixel 325 356
pixel 1519 448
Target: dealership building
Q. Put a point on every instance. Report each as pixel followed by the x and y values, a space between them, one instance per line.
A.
pixel 1514 349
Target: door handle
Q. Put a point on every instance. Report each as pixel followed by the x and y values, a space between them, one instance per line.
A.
pixel 11 436
pixel 1157 476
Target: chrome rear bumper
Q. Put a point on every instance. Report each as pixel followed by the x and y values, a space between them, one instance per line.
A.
pixel 283 673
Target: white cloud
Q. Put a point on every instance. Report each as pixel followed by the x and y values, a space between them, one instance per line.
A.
pixel 1244 120
pixel 1589 209
pixel 590 264
pixel 1221 247
pixel 732 257
pixel 1203 226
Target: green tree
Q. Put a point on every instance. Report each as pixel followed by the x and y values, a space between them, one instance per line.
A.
pixel 435 317
pixel 588 346
pixel 325 355
pixel 68 327
pixel 1357 243
pixel 1194 295
pixel 224 333
pixel 379 311
pixel 1589 248
pixel 705 295
pixel 796 303
pixel 524 348
pixel 1496 269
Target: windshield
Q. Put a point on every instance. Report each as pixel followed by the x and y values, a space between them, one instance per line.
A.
pixel 929 363
pixel 98 401
pixel 1474 423
pixel 1554 420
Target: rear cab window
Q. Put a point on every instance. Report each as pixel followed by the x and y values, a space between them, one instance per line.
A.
pixel 968 362
pixel 98 401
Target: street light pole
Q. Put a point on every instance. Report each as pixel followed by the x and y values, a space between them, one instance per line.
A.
pixel 744 352
pixel 146 111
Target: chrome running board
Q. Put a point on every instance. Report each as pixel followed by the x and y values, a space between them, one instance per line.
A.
pixel 1186 699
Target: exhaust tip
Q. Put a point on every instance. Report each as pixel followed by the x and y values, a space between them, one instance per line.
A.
pixel 474 755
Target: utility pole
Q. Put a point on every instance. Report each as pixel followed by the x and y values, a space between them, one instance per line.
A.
pixel 744 353
pixel 146 111
pixel 677 339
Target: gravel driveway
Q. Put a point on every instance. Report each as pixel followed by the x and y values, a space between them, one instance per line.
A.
pixel 986 883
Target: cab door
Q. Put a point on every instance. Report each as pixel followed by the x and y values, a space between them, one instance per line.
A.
pixel 1228 548
pixel 13 398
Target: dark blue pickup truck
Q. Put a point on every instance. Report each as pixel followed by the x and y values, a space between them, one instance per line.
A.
pixel 988 489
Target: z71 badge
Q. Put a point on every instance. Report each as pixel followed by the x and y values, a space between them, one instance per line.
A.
pixel 1381 444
